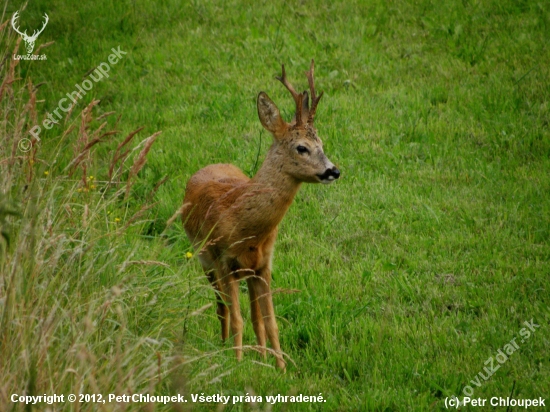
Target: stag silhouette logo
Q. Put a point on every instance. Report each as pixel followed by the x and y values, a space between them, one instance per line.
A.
pixel 29 40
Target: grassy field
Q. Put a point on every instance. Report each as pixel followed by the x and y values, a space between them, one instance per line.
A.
pixel 396 285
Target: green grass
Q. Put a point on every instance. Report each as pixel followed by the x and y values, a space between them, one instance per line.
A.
pixel 424 259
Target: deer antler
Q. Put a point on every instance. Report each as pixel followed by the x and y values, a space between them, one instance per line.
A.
pixel 314 98
pixel 298 97
pixel 24 34
pixel 13 19
pixel 36 33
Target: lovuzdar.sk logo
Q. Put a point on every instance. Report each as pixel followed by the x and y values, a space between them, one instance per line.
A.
pixel 29 40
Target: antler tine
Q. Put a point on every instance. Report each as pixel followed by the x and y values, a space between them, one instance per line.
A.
pixel 314 98
pixel 13 20
pixel 297 96
pixel 36 32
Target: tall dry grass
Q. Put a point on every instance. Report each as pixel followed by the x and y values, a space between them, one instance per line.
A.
pixel 72 288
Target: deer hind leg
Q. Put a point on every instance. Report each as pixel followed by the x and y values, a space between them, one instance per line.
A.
pixel 262 289
pixel 256 314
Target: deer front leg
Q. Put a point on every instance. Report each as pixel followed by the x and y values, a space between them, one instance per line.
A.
pixel 222 310
pixel 231 296
pixel 262 286
pixel 256 314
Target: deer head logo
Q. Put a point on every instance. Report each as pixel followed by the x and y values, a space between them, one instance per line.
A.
pixel 29 40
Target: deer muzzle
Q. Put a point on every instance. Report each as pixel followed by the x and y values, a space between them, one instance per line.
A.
pixel 330 175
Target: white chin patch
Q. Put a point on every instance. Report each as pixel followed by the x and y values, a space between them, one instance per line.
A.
pixel 328 180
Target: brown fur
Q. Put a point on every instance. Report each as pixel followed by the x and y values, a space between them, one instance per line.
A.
pixel 232 220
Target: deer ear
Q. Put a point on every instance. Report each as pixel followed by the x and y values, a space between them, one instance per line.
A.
pixel 269 115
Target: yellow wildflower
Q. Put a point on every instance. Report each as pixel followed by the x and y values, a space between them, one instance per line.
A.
pixel 188 255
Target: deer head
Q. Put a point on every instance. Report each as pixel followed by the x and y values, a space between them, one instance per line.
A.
pixel 297 143
pixel 29 40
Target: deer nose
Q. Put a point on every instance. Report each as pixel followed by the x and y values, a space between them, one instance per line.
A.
pixel 330 175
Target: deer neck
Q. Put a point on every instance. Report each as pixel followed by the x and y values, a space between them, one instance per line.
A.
pixel 274 189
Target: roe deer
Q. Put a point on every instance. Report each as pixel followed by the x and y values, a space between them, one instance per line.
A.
pixel 232 220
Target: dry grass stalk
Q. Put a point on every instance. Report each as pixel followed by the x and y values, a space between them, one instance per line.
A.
pixel 104 115
pixel 43 46
pixel 137 215
pixel 140 160
pixel 153 192
pixel 30 107
pixel 175 216
pixel 200 310
pixel 86 140
pixel 10 78
pixel 285 291
pixel 84 153
pixel 122 156
pixel 148 263
pixel 81 154
pixel 3 25
pixel 86 216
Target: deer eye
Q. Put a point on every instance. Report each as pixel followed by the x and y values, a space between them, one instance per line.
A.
pixel 302 149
